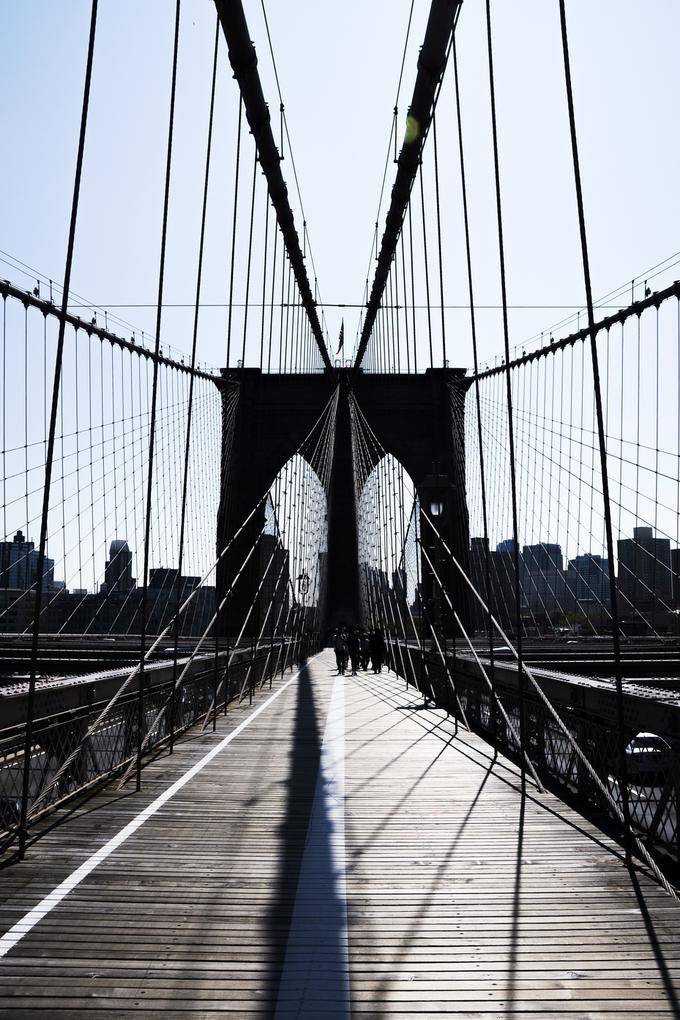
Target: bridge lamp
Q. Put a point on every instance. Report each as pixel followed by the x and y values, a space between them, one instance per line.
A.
pixel 412 130
pixel 434 493
pixel 303 584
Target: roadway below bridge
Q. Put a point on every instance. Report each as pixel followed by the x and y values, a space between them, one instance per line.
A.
pixel 593 657
pixel 64 655
pixel 334 849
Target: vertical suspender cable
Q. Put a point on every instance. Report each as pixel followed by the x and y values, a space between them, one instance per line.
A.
pixel 233 228
pixel 395 320
pixel 264 275
pixel 473 330
pixel 4 424
pixel 413 289
pixel 427 268
pixel 403 275
pixel 154 400
pixel 40 566
pixel 25 403
pixel 508 385
pixel 187 442
pixel 613 592
pixel 283 353
pixel 271 301
pixel 439 233
pixel 283 296
pixel 250 259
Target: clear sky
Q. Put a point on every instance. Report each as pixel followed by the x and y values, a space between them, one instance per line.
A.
pixel 338 66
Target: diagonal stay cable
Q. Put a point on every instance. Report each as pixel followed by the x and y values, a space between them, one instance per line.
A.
pixel 566 732
pixel 327 415
pixel 30 708
pixel 327 410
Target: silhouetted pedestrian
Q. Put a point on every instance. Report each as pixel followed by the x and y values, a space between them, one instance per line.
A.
pixel 365 651
pixel 377 644
pixel 354 647
pixel 341 651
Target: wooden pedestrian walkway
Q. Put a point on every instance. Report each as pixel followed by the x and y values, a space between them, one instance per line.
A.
pixel 334 850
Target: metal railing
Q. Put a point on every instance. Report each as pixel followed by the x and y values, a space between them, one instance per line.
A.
pixel 587 711
pixel 75 750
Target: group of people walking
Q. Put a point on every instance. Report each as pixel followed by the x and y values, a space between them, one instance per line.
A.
pixel 357 648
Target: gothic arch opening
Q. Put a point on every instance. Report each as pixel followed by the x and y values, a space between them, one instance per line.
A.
pixel 387 526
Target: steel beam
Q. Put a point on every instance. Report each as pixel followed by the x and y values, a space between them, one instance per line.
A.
pixel 431 67
pixel 29 300
pixel 243 60
pixel 637 308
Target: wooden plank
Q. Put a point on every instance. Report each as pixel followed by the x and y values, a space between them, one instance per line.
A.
pixel 458 901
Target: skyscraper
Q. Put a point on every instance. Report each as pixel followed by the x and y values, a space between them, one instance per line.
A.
pixel 274 596
pixel 544 556
pixel 675 569
pixel 645 576
pixel 19 565
pixel 542 577
pixel 588 578
pixel 118 568
pixel 501 600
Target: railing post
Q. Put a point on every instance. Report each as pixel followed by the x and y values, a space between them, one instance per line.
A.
pixel 601 442
pixel 251 670
pixel 26 779
pixel 140 720
pixel 226 678
pixel 171 743
pixel 214 681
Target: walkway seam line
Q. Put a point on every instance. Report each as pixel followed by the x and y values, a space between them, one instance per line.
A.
pixel 316 964
pixel 49 902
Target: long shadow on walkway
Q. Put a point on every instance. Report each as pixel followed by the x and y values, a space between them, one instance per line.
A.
pixel 308 921
pixel 513 953
pixel 655 943
pixel 420 917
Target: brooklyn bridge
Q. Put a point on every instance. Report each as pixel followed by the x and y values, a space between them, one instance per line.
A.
pixel 210 802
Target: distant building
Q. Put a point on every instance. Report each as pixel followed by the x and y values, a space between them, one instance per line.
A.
pixel 542 577
pixel 503 603
pixel 118 568
pixel 19 565
pixel 588 579
pixel 399 583
pixel 16 612
pixel 508 545
pixel 165 584
pixel 382 581
pixel 645 575
pixel 675 570
pixel 274 598
pixel 544 556
pixel 166 578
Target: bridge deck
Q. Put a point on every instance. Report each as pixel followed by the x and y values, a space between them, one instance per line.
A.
pixel 250 891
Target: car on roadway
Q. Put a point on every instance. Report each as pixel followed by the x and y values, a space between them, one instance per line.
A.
pixel 648 760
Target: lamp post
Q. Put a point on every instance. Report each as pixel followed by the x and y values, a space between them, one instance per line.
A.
pixel 435 498
pixel 303 585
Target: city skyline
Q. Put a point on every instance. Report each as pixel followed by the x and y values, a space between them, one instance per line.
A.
pixel 648 578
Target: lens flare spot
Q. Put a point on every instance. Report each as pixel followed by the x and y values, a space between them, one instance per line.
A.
pixel 412 130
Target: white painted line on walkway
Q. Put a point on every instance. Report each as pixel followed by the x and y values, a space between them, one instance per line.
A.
pixel 315 976
pixel 29 920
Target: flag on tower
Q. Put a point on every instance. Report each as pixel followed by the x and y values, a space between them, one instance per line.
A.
pixel 341 338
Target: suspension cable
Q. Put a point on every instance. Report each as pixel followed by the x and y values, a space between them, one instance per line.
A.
pixel 56 387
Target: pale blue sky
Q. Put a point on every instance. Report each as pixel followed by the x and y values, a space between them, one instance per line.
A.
pixel 338 66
